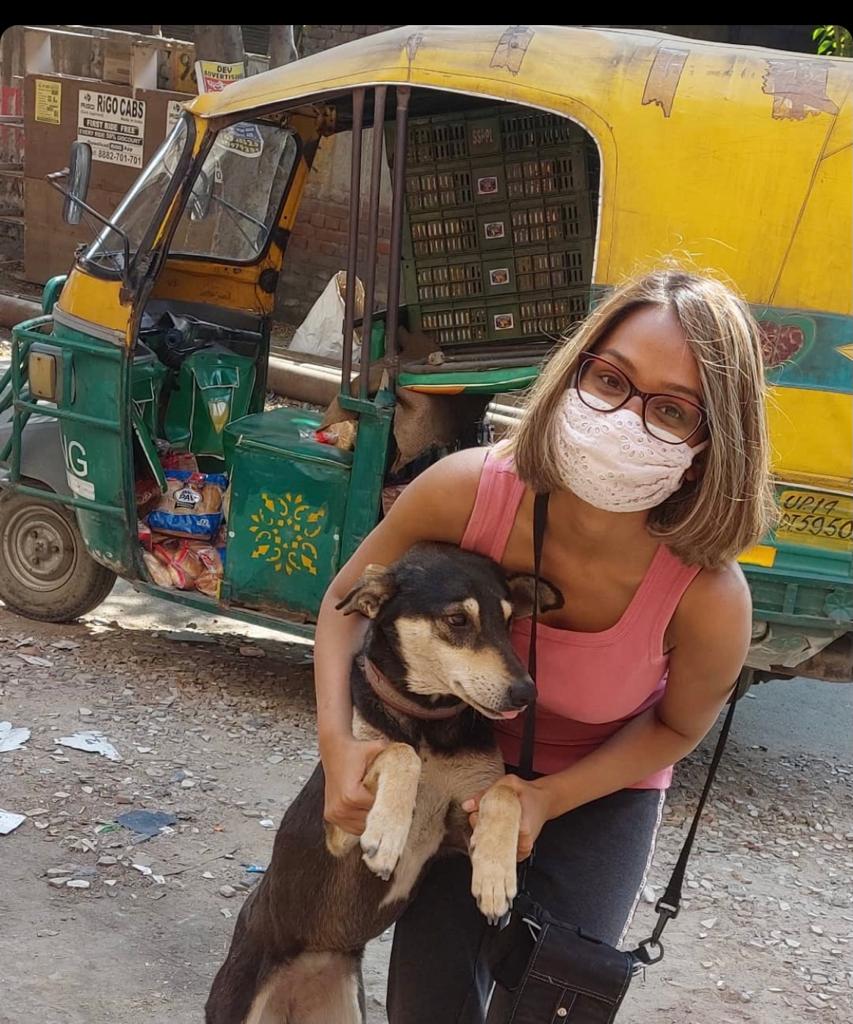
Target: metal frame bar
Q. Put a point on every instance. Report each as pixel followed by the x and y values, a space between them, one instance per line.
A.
pixel 19 416
pixel 352 251
pixel 372 236
pixel 64 499
pixel 65 414
pixel 398 190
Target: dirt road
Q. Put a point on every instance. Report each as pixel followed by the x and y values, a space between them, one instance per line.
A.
pixel 218 731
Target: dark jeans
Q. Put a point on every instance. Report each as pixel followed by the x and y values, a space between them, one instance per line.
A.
pixel 588 869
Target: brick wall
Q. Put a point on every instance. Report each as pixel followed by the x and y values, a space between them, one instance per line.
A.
pixel 318 249
pixel 321 37
pixel 318 246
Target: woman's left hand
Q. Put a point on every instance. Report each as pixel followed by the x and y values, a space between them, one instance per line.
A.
pixel 535 810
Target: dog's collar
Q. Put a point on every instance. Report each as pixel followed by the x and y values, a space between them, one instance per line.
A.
pixel 390 695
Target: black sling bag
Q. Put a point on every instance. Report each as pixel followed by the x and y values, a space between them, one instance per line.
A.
pixel 547 971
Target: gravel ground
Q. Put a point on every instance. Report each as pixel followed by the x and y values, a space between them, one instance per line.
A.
pixel 216 728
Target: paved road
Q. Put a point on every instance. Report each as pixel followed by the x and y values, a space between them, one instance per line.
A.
pixel 800 716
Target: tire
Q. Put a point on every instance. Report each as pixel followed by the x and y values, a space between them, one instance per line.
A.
pixel 46 573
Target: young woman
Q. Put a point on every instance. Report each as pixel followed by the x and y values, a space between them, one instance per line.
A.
pixel 647 429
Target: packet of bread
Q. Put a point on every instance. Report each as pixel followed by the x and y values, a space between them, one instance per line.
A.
pixel 185 564
pixel 158 573
pixel 191 506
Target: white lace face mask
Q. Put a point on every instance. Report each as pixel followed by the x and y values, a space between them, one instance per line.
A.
pixel 609 460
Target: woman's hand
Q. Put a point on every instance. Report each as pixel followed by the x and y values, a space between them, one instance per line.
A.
pixel 345 763
pixel 535 810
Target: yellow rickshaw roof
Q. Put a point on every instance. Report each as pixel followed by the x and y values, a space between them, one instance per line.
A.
pixel 500 61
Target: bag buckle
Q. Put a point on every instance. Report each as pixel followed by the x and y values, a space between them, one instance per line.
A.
pixel 666 910
pixel 648 952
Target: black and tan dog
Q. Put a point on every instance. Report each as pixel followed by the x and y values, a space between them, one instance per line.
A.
pixel 437 665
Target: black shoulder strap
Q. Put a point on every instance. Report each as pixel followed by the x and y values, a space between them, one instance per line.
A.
pixel 540 518
pixel 650 950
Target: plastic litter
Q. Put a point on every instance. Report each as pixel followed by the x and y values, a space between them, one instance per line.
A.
pixel 12 739
pixel 254 869
pixel 92 741
pixel 9 821
pixel 146 823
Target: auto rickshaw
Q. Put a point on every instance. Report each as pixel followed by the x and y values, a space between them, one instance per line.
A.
pixel 531 169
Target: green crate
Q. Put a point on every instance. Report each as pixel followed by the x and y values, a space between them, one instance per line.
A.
pixel 438 280
pixel 431 189
pixel 554 269
pixel 460 277
pixel 459 322
pixel 555 174
pixel 443 233
pixel 436 188
pixel 448 138
pixel 499 273
pixel 555 314
pixel 535 222
pixel 549 221
pixel 456 322
pixel 522 129
pixel 486 182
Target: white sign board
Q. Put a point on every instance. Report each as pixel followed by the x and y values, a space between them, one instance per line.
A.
pixel 242 138
pixel 114 126
pixel 174 109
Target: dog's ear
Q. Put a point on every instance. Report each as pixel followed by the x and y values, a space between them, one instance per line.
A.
pixel 521 589
pixel 374 588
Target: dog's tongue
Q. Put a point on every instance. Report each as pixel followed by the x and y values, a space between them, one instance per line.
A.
pixel 511 714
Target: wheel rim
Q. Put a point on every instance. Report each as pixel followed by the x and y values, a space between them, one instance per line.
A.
pixel 40 549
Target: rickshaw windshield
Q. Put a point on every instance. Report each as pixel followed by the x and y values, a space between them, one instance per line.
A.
pixel 236 194
pixel 136 212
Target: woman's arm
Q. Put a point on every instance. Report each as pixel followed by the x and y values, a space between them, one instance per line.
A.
pixel 436 506
pixel 711 631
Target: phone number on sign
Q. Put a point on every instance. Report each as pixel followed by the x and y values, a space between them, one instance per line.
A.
pixel 816 515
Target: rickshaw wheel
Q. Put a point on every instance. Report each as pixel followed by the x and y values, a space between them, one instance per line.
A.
pixel 45 571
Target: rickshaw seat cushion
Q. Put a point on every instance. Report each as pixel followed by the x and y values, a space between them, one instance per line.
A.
pixel 289 431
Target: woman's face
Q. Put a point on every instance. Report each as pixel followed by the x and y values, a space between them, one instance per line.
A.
pixel 650 347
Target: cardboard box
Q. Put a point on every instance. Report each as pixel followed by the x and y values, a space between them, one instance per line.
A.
pixel 124 128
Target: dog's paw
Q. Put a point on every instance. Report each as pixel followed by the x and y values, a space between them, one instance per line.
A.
pixel 493 883
pixel 382 843
pixel 493 848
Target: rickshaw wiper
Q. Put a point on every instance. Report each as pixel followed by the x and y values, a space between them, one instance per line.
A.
pixel 253 243
pixel 236 209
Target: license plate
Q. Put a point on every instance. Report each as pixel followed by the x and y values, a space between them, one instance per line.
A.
pixel 816 520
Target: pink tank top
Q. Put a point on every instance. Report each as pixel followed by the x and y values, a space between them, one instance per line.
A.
pixel 589 684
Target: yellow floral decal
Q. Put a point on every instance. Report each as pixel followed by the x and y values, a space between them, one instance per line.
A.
pixel 284 528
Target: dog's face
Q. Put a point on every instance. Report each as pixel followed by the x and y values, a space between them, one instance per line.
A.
pixel 446 614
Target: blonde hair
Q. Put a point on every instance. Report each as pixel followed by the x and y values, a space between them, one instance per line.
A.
pixel 731 506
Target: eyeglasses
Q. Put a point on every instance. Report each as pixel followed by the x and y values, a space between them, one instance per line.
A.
pixel 606 388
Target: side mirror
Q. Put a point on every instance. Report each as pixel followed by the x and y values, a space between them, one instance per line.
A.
pixel 79 171
pixel 200 196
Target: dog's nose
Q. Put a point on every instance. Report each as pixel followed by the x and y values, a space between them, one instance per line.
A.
pixel 522 692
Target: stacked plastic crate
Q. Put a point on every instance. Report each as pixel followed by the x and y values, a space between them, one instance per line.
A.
pixel 501 208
